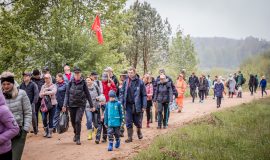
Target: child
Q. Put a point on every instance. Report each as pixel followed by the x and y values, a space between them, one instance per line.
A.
pixel 101 127
pixel 239 91
pixel 219 89
pixel 263 84
pixel 113 120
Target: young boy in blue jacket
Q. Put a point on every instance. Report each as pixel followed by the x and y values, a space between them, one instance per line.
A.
pixel 113 120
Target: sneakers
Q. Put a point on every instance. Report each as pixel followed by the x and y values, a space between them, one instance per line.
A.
pixel 117 144
pixel 110 146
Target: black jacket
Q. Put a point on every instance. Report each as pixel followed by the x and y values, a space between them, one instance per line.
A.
pixel 203 84
pixel 155 83
pixel 163 93
pixel 32 91
pixel 39 82
pixel 193 82
pixel 77 94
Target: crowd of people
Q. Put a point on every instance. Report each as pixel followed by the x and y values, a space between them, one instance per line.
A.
pixel 109 104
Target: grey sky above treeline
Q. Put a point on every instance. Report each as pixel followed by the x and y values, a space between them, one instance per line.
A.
pixel 216 18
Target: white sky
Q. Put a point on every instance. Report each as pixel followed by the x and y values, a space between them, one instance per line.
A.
pixel 222 18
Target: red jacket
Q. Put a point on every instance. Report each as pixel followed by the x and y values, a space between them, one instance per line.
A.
pixel 106 89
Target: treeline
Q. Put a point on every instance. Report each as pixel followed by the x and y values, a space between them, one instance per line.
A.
pixel 38 33
pixel 259 65
pixel 227 53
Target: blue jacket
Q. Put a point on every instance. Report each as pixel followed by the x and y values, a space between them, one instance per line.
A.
pixel 219 88
pixel 139 94
pixel 60 94
pixel 113 116
pixel 263 83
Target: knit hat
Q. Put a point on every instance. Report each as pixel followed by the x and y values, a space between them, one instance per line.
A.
pixel 112 94
pixel 9 79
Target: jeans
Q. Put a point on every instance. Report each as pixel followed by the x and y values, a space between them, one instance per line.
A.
pixel 114 132
pixel 251 89
pixel 163 107
pixel 89 118
pixel 57 116
pixel 76 114
pixel 49 114
pixel 264 91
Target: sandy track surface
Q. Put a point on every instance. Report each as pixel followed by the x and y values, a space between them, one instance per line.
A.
pixel 62 147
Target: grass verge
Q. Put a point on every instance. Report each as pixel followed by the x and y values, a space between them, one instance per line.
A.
pixel 242 132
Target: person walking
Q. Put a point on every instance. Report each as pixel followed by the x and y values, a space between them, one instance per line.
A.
pixel 113 120
pixel 36 78
pixel 251 83
pixel 263 85
pixel 8 129
pixel 163 97
pixel 20 106
pixel 149 92
pixel 219 88
pixel 92 115
pixel 101 126
pixel 75 99
pixel 256 83
pixel 94 77
pixel 193 82
pixel 48 93
pixel 68 75
pixel 134 101
pixel 60 97
pixel 231 86
pixel 32 92
pixel 203 84
pixel 181 86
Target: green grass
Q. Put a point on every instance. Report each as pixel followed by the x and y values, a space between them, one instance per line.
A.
pixel 241 133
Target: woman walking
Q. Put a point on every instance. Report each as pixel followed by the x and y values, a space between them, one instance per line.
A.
pixel 149 92
pixel 231 86
pixel 203 84
pixel 181 86
pixel 8 129
pixel 19 104
pixel 219 89
pixel 48 93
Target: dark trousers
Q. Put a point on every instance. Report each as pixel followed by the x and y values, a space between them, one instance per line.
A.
pixel 34 118
pixel 6 156
pixel 49 114
pixel 122 128
pixel 201 94
pixel 18 143
pixel 219 101
pixel 163 117
pixel 101 128
pixel 193 93
pixel 114 132
pixel 37 109
pixel 131 117
pixel 264 91
pixel 255 88
pixel 251 88
pixel 76 115
pixel 148 110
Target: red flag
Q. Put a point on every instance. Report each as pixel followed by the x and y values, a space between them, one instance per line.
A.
pixel 97 28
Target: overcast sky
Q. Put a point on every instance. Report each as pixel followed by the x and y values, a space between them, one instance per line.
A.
pixel 222 18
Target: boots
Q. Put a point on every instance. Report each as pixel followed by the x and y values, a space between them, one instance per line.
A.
pixel 49 135
pixel 110 146
pixel 90 135
pixel 147 124
pixel 78 141
pixel 139 133
pixel 130 135
pixel 117 144
pixel 46 130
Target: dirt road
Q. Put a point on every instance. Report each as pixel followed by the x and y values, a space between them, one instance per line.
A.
pixel 62 146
